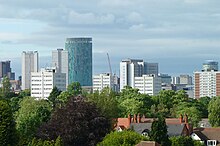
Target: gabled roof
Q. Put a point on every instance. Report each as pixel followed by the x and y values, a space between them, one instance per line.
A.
pixel 208 133
pixel 140 127
pixel 173 129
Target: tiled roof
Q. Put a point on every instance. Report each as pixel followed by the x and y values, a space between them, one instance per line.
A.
pixel 208 133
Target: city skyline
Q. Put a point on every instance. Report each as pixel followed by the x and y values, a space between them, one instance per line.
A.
pixel 178 34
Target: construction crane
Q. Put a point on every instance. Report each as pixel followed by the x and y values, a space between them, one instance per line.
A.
pixel 110 68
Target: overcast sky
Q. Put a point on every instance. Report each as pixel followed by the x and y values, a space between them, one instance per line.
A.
pixel 178 34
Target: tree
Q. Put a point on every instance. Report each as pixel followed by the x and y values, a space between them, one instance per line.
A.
pixel 203 104
pixel 30 116
pixel 6 91
pixel 194 114
pixel 133 102
pixel 184 141
pixel 158 132
pixel 40 142
pixel 73 89
pixel 124 138
pixel 53 96
pixel 7 125
pixel 78 123
pixel 214 111
pixel 106 101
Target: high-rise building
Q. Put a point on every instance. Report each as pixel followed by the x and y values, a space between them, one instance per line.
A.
pixel 186 79
pixel 131 68
pixel 42 82
pixel 79 60
pixel 29 64
pixel 148 84
pixel 207 81
pixel 175 80
pixel 209 65
pixel 60 61
pixel 150 68
pixel 105 80
pixel 5 70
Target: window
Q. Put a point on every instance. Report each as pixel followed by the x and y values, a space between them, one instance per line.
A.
pixel 211 143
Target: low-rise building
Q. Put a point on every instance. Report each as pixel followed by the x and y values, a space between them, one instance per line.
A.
pixel 43 82
pixel 148 84
pixel 105 80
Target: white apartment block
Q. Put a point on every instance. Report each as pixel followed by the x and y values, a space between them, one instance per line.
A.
pixel 60 61
pixel 43 82
pixel 105 80
pixel 148 84
pixel 206 83
pixel 29 64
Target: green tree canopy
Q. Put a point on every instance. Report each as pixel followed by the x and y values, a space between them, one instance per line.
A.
pixel 7 125
pixel 124 138
pixel 107 102
pixel 158 132
pixel 73 89
pixel 214 112
pixel 30 116
pixel 6 88
pixel 53 96
pixel 184 141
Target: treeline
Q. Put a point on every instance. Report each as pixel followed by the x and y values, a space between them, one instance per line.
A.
pixel 68 119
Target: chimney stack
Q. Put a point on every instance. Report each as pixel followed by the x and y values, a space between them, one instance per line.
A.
pixel 138 118
pixel 181 118
pixel 129 119
pixel 135 118
pixel 186 118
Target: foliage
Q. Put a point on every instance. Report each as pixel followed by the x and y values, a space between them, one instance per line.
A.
pixel 24 93
pixel 53 96
pixel 203 104
pixel 78 123
pixel 5 90
pixel 158 132
pixel 7 125
pixel 184 141
pixel 214 112
pixel 192 112
pixel 133 102
pixel 107 102
pixel 181 141
pixel 73 89
pixel 30 116
pixel 40 142
pixel 124 138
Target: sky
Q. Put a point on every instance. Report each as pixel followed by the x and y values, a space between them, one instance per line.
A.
pixel 178 34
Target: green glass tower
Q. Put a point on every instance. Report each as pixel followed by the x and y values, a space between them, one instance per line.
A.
pixel 79 60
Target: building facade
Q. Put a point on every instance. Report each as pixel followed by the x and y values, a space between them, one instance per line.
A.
pixel 131 68
pixel 5 70
pixel 206 83
pixel 79 60
pixel 186 79
pixel 30 64
pixel 105 80
pixel 148 84
pixel 43 82
pixel 60 61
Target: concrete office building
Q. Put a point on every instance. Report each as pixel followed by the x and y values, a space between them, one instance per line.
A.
pixel 5 70
pixel 186 79
pixel 207 81
pixel 148 84
pixel 43 82
pixel 79 60
pixel 60 61
pixel 105 80
pixel 29 64
pixel 131 68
